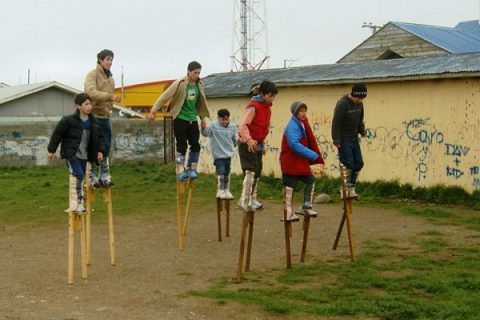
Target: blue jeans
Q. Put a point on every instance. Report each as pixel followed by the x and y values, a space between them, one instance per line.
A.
pixel 350 155
pixel 77 168
pixel 106 126
pixel 222 166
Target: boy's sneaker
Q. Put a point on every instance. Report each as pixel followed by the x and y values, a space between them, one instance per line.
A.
pixel 256 205
pixel 94 183
pixel 293 218
pixel 80 208
pixel 220 194
pixel 310 212
pixel 352 194
pixel 192 174
pixel 183 176
pixel 228 195
pixel 106 183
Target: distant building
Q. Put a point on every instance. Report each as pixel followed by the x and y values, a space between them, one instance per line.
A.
pixel 48 99
pixel 141 97
pixel 406 40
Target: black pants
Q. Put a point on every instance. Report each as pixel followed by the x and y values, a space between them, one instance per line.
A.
pixel 251 161
pixel 186 131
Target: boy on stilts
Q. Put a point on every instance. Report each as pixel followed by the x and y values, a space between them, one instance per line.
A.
pixel 253 130
pixel 298 152
pixel 187 102
pixel 223 141
pixel 81 140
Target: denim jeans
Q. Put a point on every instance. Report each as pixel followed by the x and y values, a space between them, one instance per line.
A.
pixel 222 166
pixel 106 126
pixel 350 155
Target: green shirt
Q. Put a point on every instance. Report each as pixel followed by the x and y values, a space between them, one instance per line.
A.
pixel 189 108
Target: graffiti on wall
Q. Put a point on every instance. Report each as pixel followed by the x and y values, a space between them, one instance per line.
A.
pixel 17 148
pixel 14 148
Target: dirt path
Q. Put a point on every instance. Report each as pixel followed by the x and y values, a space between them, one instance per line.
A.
pixel 152 277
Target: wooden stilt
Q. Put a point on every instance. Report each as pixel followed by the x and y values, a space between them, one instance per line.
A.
pixel 71 235
pixel 347 214
pixel 306 227
pixel 76 223
pixel 227 219
pixel 251 218
pixel 190 184
pixel 180 190
pixel 219 218
pixel 83 246
pixel 288 234
pixel 242 247
pixel 223 204
pixel 90 197
pixel 107 197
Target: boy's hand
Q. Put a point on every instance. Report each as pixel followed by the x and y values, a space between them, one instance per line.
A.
pixel 51 156
pixel 151 117
pixel 100 156
pixel 252 145
pixel 116 99
pixel 203 123
pixel 318 170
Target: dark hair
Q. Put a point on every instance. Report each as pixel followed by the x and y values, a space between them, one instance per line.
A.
pixel 265 87
pixel 194 65
pixel 222 113
pixel 359 90
pixel 80 98
pixel 103 54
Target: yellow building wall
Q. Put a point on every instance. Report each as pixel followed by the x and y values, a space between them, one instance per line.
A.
pixel 422 132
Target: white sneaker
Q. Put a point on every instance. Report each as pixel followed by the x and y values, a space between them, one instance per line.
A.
pixel 223 196
pixel 310 212
pixel 228 195
pixel 80 208
pixel 256 205
pixel 352 194
pixel 293 217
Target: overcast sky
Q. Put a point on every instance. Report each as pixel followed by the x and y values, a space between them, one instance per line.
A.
pixel 155 39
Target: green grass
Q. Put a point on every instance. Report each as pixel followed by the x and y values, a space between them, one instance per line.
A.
pixel 383 282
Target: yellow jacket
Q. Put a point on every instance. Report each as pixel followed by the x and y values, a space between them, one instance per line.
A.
pixel 100 89
pixel 177 93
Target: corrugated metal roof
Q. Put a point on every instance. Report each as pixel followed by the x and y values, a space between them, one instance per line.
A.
pixel 10 93
pixel 239 83
pixel 464 37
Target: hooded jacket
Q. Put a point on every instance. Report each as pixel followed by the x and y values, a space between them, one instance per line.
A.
pixel 299 148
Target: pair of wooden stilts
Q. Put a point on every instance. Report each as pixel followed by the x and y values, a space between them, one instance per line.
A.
pixel 289 233
pixel 80 222
pixel 183 218
pixel 347 214
pixel 183 222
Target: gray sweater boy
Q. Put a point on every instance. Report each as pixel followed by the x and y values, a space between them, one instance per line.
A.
pixel 223 139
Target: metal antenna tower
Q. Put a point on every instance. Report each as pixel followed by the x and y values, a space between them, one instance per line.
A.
pixel 250 36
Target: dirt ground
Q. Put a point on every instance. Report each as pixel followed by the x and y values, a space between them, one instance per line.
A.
pixel 151 278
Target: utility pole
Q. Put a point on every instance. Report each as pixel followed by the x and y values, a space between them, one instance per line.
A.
pixel 371 26
pixel 249 35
